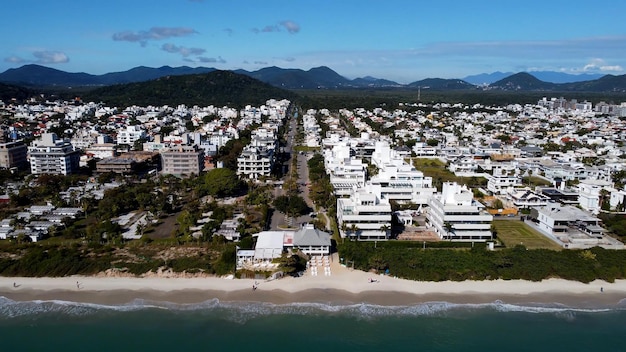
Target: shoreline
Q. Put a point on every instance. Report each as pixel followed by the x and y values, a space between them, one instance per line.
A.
pixel 344 287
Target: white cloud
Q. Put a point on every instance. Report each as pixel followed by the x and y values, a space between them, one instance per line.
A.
pixel 154 33
pixel 217 60
pixel 184 51
pixel 50 57
pixel 600 65
pixel 291 26
pixel 14 60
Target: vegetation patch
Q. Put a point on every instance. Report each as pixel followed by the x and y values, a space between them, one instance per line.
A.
pixel 514 232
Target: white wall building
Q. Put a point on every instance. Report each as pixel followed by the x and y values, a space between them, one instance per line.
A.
pixel 130 135
pixel 455 215
pixel 398 180
pixel 364 215
pixel 49 155
pixel 589 194
pixel 503 181
pixel 255 162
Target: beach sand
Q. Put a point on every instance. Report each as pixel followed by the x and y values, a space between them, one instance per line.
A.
pixel 344 286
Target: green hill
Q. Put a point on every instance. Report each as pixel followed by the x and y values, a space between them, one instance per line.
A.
pixel 219 88
pixel 10 92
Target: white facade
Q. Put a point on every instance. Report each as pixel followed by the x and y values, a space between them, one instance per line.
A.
pixel 589 194
pixel 364 215
pixel 52 156
pixel 455 215
pixel 503 181
pixel 398 180
pixel 130 135
pixel 255 162
pixel 346 174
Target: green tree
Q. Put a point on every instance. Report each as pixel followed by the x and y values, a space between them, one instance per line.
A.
pixel 291 205
pixel 220 183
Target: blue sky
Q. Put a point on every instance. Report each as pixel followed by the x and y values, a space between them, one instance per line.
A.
pixel 395 39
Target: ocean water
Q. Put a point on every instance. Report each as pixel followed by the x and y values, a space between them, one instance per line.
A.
pixel 223 326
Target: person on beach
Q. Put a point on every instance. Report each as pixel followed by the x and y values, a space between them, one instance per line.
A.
pixel 15 284
pixel 78 285
pixel 254 287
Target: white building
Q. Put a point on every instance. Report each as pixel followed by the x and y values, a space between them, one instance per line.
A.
pixel 255 162
pixel 130 135
pixel 364 215
pixel 573 228
pixel 49 155
pixel 503 181
pixel 455 215
pixel 398 180
pixel 589 194
pixel 525 198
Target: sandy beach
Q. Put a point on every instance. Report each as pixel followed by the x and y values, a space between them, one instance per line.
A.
pixel 343 286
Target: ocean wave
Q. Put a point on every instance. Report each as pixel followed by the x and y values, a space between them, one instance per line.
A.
pixel 244 311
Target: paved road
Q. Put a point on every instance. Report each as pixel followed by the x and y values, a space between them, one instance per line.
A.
pixel 278 218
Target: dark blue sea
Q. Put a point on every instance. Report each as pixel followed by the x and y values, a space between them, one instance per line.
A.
pixel 222 326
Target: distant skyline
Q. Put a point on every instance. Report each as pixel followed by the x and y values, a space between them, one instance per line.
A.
pixel 400 40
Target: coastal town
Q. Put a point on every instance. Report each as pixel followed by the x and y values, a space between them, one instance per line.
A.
pixel 555 166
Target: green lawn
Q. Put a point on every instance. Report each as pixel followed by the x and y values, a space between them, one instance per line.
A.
pixel 514 232
pixel 436 169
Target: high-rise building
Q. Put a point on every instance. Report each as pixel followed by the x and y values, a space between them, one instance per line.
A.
pixel 49 155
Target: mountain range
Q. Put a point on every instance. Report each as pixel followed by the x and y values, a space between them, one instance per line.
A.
pixel 37 76
pixel 524 81
pixel 546 76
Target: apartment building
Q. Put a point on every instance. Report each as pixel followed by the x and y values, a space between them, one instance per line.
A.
pixel 13 155
pixel 503 181
pixel 455 215
pixel 130 135
pixel 590 194
pixel 49 155
pixel 182 160
pixel 255 162
pixel 398 180
pixel 364 215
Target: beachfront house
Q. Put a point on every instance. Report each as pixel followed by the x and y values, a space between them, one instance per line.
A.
pixel 572 227
pixel 311 241
pixel 455 215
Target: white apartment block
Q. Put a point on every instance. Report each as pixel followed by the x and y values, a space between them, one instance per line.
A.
pixel 590 194
pixel 255 162
pixel 455 215
pixel 398 180
pixel 364 215
pixel 503 181
pixel 52 156
pixel 130 135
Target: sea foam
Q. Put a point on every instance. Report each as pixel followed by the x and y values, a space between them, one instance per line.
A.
pixel 244 311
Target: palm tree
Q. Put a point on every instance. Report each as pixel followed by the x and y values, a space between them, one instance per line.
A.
pixel 449 229
pixel 604 200
pixel 354 229
pixel 385 228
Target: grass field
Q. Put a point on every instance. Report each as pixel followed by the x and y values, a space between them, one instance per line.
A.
pixel 514 232
pixel 436 169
